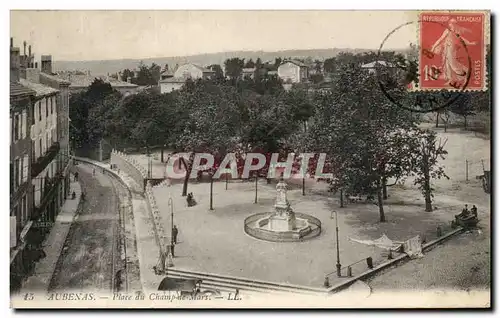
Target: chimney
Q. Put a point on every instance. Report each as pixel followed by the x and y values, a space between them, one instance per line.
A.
pixel 29 51
pixel 15 64
pixel 46 62
pixel 24 50
pixel 11 42
pixel 36 64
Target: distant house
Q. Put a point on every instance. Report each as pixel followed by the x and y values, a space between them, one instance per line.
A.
pixel 293 71
pixel 371 67
pixel 82 82
pixel 248 72
pixel 181 74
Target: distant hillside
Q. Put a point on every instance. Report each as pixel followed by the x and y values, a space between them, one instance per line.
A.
pixel 112 66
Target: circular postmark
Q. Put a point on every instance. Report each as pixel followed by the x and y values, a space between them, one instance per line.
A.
pixel 398 71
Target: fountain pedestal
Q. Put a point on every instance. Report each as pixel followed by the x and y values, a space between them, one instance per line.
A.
pixel 282 225
pixel 283 218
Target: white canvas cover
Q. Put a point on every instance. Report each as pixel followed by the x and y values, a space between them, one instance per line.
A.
pixel 382 242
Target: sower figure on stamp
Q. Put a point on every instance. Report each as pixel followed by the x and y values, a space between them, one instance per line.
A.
pixel 448 45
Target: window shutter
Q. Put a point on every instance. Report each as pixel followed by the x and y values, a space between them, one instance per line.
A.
pixel 25 168
pixel 24 125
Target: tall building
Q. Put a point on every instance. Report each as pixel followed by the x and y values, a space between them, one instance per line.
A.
pixel 40 157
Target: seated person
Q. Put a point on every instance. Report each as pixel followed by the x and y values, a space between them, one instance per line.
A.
pixel 464 213
pixel 474 211
pixel 190 200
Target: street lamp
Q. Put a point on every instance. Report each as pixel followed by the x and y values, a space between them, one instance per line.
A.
pixel 171 204
pixel 338 251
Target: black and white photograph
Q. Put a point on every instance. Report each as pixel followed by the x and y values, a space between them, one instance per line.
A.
pixel 250 159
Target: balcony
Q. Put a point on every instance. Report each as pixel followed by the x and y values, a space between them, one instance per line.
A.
pixel 43 161
pixel 49 192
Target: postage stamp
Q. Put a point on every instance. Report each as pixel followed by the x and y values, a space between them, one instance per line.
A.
pixel 452 50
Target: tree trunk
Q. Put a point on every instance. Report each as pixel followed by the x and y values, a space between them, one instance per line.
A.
pixel 384 188
pixel 162 154
pixel 465 122
pixel 380 202
pixel 256 183
pixel 226 180
pixel 427 186
pixel 186 177
pixel 211 192
pixel 437 119
pixel 303 186
pixel 341 198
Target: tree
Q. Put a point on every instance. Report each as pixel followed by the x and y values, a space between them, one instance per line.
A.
pixel 219 74
pixel 155 71
pixel 427 152
pixel 126 74
pixel 361 132
pixel 250 64
pixel 278 61
pixel 211 125
pixel 317 78
pixel 330 65
pixel 318 66
pixel 234 67
pixel 462 106
pixel 89 112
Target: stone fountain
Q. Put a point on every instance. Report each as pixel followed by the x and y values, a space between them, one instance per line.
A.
pixel 282 224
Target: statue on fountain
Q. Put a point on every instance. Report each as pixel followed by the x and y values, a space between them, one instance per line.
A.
pixel 283 217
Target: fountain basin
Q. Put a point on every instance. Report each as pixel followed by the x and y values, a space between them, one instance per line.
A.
pixel 266 226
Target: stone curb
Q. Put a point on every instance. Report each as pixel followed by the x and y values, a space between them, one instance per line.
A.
pixel 395 261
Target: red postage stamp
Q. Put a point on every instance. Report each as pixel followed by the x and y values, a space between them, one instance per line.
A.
pixel 452 50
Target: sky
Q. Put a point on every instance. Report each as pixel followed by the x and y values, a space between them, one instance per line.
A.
pixel 100 35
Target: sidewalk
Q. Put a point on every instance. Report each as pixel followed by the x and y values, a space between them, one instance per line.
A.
pixel 53 244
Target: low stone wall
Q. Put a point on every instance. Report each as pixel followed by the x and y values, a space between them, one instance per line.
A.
pixel 129 166
pixel 161 239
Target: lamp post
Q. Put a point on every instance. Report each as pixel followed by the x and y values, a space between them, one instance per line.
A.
pixel 171 204
pixel 338 251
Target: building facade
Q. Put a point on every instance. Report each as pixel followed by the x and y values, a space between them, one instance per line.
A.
pixel 293 72
pixel 40 158
pixel 181 74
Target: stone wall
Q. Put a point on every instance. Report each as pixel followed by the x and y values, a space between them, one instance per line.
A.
pixel 129 166
pixel 132 168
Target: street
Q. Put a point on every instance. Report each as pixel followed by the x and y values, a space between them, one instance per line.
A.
pixel 91 252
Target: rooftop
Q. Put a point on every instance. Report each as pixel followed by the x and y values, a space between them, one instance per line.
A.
pixel 296 62
pixel 87 80
pixel 174 80
pixel 17 89
pixel 203 69
pixel 40 89
pixel 377 63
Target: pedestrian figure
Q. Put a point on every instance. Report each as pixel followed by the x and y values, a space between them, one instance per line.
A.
pixel 175 231
pixel 172 247
pixel 93 172
pixel 73 195
pixel 76 176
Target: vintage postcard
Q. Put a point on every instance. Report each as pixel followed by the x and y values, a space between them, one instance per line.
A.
pixel 250 159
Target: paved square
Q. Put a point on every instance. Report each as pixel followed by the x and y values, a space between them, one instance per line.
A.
pixel 215 241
